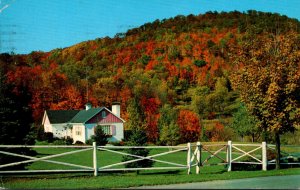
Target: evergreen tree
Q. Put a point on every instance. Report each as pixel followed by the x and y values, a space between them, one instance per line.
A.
pixel 170 134
pixel 15 121
pixel 169 130
pixel 138 137
pixel 100 137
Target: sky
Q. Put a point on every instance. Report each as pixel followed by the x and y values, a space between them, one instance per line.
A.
pixel 43 25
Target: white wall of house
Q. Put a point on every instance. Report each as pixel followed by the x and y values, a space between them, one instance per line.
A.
pixel 60 130
pixel 48 128
pixel 119 134
pixel 78 133
pixel 47 124
pixel 89 128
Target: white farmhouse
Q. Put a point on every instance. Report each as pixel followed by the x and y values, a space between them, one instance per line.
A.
pixel 80 124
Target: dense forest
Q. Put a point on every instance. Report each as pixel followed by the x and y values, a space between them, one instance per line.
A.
pixel 173 75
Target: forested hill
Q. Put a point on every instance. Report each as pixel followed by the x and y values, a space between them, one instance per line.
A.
pixel 181 64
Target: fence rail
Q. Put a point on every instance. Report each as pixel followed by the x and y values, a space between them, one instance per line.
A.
pixel 195 157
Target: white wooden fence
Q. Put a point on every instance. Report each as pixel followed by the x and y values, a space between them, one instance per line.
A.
pixel 80 168
pixel 194 153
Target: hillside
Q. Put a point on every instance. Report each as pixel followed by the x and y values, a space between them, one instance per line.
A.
pixel 181 64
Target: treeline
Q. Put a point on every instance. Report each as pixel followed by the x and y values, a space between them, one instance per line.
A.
pixel 171 76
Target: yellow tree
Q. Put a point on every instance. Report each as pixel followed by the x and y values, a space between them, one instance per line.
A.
pixel 269 82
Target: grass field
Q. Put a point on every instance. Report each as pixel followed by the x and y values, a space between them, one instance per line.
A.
pixel 122 179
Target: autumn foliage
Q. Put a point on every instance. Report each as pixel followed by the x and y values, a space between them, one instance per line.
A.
pixel 189 126
pixel 176 61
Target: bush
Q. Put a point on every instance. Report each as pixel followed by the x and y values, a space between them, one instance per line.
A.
pixel 100 137
pixel 79 143
pixel 200 63
pixel 59 142
pixel 89 142
pixel 117 143
pixel 41 142
pixel 48 136
pixel 245 167
pixel 127 134
pixel 68 141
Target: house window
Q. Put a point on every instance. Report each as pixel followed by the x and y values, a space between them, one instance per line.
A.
pixel 103 114
pixel 106 129
pixel 109 129
pixel 78 131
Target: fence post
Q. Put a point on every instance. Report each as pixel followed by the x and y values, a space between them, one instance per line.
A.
pixel 229 155
pixel 188 160
pixel 264 156
pixel 198 158
pixel 95 159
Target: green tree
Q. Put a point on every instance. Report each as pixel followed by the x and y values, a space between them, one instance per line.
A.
pixel 138 137
pixel 170 134
pixel 199 103
pixel 218 100
pixel 244 124
pixel 167 115
pixel 269 83
pixel 100 137
pixel 136 115
pixel 168 129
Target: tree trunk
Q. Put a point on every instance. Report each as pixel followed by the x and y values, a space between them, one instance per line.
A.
pixel 277 150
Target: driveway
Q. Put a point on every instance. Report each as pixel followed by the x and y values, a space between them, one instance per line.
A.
pixel 271 182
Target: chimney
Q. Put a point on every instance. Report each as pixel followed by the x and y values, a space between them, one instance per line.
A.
pixel 88 106
pixel 115 108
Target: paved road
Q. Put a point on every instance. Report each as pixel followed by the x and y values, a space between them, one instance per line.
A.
pixel 271 182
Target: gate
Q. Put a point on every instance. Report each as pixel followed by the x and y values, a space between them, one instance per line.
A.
pixel 259 149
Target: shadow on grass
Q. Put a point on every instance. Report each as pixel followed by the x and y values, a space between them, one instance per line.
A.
pixel 161 172
pixel 47 176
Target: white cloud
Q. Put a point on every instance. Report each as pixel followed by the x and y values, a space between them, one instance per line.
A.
pixel 2 8
pixel 5 6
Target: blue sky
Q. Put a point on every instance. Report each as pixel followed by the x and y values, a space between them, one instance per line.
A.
pixel 43 25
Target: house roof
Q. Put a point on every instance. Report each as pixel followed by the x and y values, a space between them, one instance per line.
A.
pixel 74 116
pixel 84 115
pixel 61 116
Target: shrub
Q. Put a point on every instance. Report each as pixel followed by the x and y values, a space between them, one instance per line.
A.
pixel 127 134
pixel 47 136
pixel 59 142
pixel 41 142
pixel 89 142
pixel 117 143
pixel 200 63
pixel 68 140
pixel 79 143
pixel 245 167
pixel 100 137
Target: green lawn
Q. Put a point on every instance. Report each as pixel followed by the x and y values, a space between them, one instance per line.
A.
pixel 122 179
pixel 105 158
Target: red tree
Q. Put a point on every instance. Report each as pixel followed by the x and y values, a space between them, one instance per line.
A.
pixel 189 125
pixel 150 107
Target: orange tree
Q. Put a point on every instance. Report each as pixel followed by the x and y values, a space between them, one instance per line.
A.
pixel 269 82
pixel 189 126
